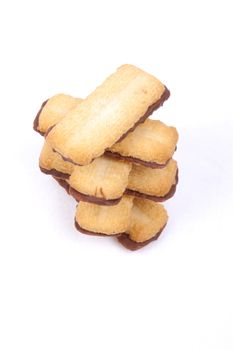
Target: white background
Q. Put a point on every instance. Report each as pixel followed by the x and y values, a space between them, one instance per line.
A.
pixel 64 290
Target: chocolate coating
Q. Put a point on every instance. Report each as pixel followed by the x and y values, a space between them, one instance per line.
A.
pixel 153 165
pixel 65 158
pixel 86 232
pixel 56 173
pixel 49 129
pixel 128 243
pixel 36 120
pixel 92 199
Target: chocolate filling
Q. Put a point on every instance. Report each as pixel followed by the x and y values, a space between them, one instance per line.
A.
pixel 155 198
pixel 63 157
pixel 62 183
pixel 128 243
pixel 36 120
pixel 149 111
pixel 92 199
pixel 153 165
pixel 49 129
pixel 56 173
pixel 92 233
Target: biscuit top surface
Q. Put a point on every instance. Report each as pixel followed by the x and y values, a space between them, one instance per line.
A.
pixel 105 115
pixel 147 219
pixel 105 219
pixel 105 178
pixel 55 109
pixel 152 141
pixel 154 182
pixel 51 160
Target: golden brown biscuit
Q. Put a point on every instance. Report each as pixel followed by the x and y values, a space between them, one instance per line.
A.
pixel 154 184
pixel 151 144
pixel 147 221
pixel 105 179
pixel 52 163
pixel 53 110
pixel 104 220
pixel 125 98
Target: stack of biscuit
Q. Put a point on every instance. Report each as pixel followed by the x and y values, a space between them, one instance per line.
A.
pixel 114 161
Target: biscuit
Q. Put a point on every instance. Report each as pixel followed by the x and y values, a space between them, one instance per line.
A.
pixel 150 144
pixel 116 107
pixel 155 184
pixel 102 182
pixel 52 111
pixel 104 220
pixel 51 163
pixel 147 221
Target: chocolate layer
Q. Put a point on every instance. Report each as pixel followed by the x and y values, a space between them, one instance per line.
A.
pixel 155 198
pixel 49 129
pixel 128 243
pixel 62 183
pixel 153 165
pixel 65 158
pixel 56 173
pixel 92 233
pixel 81 197
pixel 36 120
pixel 149 111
